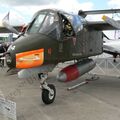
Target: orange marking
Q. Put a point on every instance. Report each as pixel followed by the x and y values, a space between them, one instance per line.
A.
pixel 30 59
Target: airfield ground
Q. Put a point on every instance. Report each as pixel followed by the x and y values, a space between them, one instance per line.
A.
pixel 98 100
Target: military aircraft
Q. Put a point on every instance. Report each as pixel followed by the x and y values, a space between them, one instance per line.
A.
pixel 112 47
pixel 54 36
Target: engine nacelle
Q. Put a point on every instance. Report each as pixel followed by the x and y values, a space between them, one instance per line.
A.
pixel 74 71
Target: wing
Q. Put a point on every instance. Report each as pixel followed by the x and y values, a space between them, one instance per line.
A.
pixel 100 25
pixel 112 47
pixel 111 21
pixel 110 50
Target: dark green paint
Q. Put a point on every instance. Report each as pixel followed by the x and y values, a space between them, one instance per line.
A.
pixel 83 44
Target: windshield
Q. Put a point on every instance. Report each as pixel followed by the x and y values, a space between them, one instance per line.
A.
pixel 37 22
pixel 46 23
pixel 49 20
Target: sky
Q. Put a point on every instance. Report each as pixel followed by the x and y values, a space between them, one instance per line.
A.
pixel 21 11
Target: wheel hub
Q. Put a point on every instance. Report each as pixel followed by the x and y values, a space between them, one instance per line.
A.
pixel 51 94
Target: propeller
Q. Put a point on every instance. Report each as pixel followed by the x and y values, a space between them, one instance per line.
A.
pixel 6 24
pixel 9 27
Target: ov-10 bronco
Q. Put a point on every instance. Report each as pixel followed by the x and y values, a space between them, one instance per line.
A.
pixel 55 36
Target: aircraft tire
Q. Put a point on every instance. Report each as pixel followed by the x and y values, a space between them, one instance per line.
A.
pixel 47 98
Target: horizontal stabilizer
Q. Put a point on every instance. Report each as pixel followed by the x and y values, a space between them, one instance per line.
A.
pixel 91 12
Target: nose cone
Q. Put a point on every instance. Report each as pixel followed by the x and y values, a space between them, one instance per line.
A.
pixel 61 77
pixel 10 60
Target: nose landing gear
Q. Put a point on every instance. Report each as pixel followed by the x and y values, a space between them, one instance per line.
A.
pixel 48 90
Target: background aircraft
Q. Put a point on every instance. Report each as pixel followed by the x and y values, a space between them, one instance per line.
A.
pixel 112 47
pixel 55 36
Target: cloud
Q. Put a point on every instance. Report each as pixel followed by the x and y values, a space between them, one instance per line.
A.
pixel 74 5
pixel 69 6
pixel 63 4
pixel 16 19
pixel 114 3
pixel 27 2
pixel 24 10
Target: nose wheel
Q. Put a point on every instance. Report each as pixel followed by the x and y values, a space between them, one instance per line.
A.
pixel 48 96
pixel 48 90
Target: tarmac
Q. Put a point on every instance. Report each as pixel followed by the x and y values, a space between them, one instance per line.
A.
pixel 97 100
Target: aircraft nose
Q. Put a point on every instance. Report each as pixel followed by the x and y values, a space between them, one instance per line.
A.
pixel 10 60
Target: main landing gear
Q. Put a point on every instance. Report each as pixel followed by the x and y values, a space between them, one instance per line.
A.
pixel 48 90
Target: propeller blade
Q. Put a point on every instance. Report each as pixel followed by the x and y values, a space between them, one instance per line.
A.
pixel 6 24
pixel 9 27
pixel 111 21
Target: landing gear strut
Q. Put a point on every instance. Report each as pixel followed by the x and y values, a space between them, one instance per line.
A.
pixel 48 90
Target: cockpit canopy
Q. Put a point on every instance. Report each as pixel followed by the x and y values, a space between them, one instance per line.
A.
pixel 75 20
pixel 55 23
